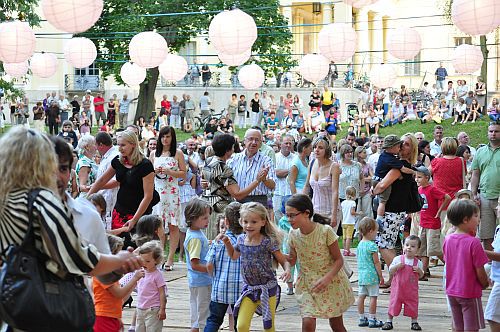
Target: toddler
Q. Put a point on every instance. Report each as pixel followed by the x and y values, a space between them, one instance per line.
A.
pixel 349 215
pixel 100 205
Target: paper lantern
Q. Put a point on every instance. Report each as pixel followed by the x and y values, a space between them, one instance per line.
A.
pixel 467 59
pixel 174 68
pixel 383 76
pixel 72 16
pixel 360 3
pixel 43 65
pixel 476 17
pixel 80 52
pixel 236 59
pixel 404 43
pixel 132 74
pixel 16 69
pixel 314 67
pixel 232 32
pixel 17 42
pixel 337 41
pixel 251 76
pixel 148 49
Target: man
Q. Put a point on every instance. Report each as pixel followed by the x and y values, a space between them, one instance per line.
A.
pixel 397 112
pixel 52 97
pixel 100 114
pixel 333 74
pixel 182 110
pixel 190 108
pixel 441 75
pixel 364 97
pixel 250 164
pixel 451 96
pixel 373 159
pixel 436 143
pixel 463 139
pixel 194 73
pixel 205 103
pixel 485 184
pixel 64 107
pixel 192 153
pixel 283 163
pixel 54 117
pixel 351 138
pixel 166 107
pixel 123 109
pixel 90 110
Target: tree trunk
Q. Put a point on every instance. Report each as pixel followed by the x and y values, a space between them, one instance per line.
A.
pixel 147 103
pixel 484 67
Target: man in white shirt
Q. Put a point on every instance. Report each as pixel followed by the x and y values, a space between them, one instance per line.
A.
pixel 436 143
pixel 463 139
pixel 88 94
pixel 283 162
pixel 205 103
pixel 64 106
pixel 191 152
pixel 373 158
pixel 451 96
pixel 265 102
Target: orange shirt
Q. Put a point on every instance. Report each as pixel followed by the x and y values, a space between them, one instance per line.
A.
pixel 106 305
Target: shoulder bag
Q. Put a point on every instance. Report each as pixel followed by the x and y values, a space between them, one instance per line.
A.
pixel 34 299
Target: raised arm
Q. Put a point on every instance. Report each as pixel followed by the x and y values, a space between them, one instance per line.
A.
pixel 388 180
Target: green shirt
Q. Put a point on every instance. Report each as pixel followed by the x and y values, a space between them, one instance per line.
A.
pixel 487 161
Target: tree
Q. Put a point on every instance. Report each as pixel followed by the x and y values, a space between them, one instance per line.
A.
pixel 122 19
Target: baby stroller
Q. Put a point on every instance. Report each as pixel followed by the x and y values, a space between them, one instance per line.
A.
pixel 352 110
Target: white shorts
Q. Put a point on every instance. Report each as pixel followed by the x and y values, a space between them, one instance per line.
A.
pixel 492 311
pixel 368 290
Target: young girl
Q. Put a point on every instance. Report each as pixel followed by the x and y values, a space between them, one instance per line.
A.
pixel 369 272
pixel 465 274
pixel 355 125
pixel 405 270
pixel 151 290
pixel 100 205
pixel 460 110
pixel 363 114
pixel 257 247
pixel 322 290
pixel 475 111
pixel 349 215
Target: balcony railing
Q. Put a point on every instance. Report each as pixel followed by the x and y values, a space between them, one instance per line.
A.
pixel 83 82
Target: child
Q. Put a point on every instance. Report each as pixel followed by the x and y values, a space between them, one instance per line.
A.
pixel 405 269
pixel 465 273
pixel 322 290
pixel 461 109
pixel 108 299
pixel 355 125
pixel 363 114
pixel 226 284
pixel 100 205
pixel 284 225
pixel 149 228
pixel 430 223
pixel 151 290
pixel 491 313
pixel 369 272
pixel 68 134
pixel 331 125
pixel 257 246
pixel 197 215
pixel 349 215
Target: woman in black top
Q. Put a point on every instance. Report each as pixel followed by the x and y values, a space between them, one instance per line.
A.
pixel 424 154
pixel 315 99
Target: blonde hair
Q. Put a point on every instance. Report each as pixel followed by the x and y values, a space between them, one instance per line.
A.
pixel 414 147
pixel 131 138
pixel 350 193
pixel 269 228
pixel 367 225
pixel 449 146
pixel 18 146
pixel 153 247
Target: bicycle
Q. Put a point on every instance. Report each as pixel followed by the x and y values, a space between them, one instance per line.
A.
pixel 201 122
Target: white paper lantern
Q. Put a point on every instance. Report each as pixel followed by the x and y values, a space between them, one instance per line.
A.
pixel 17 42
pixel 337 41
pixel 236 59
pixel 232 32
pixel 476 17
pixel 174 68
pixel 251 76
pixel 360 3
pixel 43 65
pixel 80 52
pixel 404 43
pixel 16 69
pixel 314 67
pixel 148 49
pixel 467 59
pixel 383 76
pixel 132 74
pixel 72 16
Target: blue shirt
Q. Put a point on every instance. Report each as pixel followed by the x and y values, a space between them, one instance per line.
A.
pixel 367 274
pixel 196 278
pixel 124 104
pixel 441 73
pixel 386 162
pixel 300 181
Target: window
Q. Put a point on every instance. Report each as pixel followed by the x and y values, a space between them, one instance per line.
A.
pixel 463 40
pixel 412 66
pixel 188 52
pixel 91 70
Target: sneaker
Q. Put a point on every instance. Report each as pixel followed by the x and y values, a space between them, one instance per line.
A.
pixel 415 327
pixel 363 322
pixel 375 323
pixel 387 326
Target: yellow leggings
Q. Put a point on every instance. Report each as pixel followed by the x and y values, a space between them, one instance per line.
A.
pixel 246 311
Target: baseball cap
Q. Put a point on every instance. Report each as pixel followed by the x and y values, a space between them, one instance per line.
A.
pixel 390 141
pixel 424 170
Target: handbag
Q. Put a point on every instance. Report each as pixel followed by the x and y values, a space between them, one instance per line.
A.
pixel 34 299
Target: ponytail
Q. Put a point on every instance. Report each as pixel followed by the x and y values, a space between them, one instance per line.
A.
pixel 303 203
pixel 320 219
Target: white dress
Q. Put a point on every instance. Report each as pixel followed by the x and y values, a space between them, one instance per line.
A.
pixel 169 207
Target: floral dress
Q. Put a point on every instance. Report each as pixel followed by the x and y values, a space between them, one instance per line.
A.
pixel 169 207
pixel 85 161
pixel 315 261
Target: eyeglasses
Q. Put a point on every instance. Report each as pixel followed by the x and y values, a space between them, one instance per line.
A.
pixel 292 215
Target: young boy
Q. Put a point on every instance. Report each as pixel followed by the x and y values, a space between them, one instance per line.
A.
pixel 226 283
pixel 430 223
pixel 197 215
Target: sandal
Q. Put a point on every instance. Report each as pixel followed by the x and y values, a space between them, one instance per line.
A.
pixel 415 327
pixel 385 285
pixel 167 268
pixel 388 326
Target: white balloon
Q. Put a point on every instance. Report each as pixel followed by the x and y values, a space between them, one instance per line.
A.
pixel 383 75
pixel 337 41
pixel 72 16
pixel 404 43
pixel 314 67
pixel 232 32
pixel 43 65
pixel 174 68
pixel 236 59
pixel 17 42
pixel 16 69
pixel 467 59
pixel 251 76
pixel 148 49
pixel 80 52
pixel 132 74
pixel 476 17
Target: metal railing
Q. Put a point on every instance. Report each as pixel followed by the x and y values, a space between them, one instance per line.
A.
pixel 83 82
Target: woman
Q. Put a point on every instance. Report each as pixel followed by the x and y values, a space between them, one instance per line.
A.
pixel 494 110
pixel 151 147
pixel 175 120
pixel 169 167
pixel 424 153
pixel 464 152
pixel 315 99
pixel 86 168
pixel 316 120
pixel 365 198
pixel 350 169
pixel 232 107
pixel 112 110
pixel 39 117
pixel 299 166
pixel 323 179
pixel 480 92
pixel 296 107
pixel 136 195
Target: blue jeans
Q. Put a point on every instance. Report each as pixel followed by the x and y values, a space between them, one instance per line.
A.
pixel 216 318
pixel 391 122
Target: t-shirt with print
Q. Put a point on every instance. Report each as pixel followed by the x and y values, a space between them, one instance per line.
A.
pixel 367 274
pixel 148 295
pixel 431 196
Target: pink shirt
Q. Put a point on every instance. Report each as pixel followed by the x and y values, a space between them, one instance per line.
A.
pixel 148 295
pixel 463 254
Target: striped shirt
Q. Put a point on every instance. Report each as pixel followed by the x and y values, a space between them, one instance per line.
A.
pixel 226 282
pixel 246 169
pixel 61 235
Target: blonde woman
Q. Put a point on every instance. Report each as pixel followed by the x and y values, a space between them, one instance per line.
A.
pixel 86 167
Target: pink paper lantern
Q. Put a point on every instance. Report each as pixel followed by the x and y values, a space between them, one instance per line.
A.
pixel 16 69
pixel 72 16
pixel 383 75
pixel 148 49
pixel 467 59
pixel 314 67
pixel 43 65
pixel 232 32
pixel 80 52
pixel 236 59
pixel 174 68
pixel 476 17
pixel 404 43
pixel 251 76
pixel 360 3
pixel 17 42
pixel 132 74
pixel 337 41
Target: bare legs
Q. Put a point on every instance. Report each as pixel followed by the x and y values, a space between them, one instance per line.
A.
pixel 174 242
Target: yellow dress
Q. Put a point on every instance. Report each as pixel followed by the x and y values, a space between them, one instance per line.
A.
pixel 315 261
